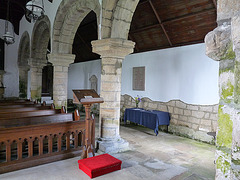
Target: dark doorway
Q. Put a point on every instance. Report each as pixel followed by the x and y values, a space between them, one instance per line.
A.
pixel 47 80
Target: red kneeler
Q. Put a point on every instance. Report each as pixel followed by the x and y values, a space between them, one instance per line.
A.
pixel 99 165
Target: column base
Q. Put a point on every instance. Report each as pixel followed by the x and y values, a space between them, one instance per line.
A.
pixel 112 145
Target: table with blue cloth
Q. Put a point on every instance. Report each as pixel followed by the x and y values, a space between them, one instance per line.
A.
pixel 150 119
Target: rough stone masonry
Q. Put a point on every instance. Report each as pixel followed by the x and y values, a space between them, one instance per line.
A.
pixel 223 44
pixel 192 121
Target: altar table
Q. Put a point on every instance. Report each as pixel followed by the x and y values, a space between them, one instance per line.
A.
pixel 148 118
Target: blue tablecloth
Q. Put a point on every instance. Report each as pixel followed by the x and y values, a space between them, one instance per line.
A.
pixel 150 119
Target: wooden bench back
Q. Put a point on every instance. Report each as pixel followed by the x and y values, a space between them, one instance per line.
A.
pixel 40 144
pixel 28 121
pixel 23 109
pixel 10 115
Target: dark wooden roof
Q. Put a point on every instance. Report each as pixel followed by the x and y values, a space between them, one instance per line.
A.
pixel 159 24
pixel 156 24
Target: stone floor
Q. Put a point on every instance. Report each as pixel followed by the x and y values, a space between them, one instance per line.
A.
pixel 161 157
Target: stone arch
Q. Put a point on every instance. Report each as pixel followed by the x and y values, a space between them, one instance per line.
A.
pixel 69 16
pixel 23 56
pixel 122 18
pixel 40 38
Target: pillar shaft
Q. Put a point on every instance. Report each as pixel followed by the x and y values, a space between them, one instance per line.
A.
pixel 223 44
pixel 112 52
pixel 111 92
pixel 60 77
pixel 1 84
pixel 36 66
pixel 23 80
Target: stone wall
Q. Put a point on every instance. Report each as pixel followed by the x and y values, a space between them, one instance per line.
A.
pixel 193 121
pixel 223 44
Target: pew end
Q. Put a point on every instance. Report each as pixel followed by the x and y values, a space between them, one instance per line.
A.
pixel 76 115
pixel 44 103
pixel 52 106
pixel 63 109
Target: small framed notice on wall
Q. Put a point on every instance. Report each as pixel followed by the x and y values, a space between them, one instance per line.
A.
pixel 139 78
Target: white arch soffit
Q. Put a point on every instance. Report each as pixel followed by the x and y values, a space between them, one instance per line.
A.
pixel 40 38
pixel 122 18
pixel 23 45
pixel 69 16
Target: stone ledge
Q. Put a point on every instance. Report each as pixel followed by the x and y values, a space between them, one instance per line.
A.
pixel 190 133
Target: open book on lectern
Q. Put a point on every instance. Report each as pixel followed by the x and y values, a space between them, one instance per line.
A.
pixel 86 96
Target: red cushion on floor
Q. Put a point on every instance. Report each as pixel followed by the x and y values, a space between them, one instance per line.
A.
pixel 99 165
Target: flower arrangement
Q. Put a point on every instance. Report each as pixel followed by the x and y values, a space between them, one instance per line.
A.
pixel 137 100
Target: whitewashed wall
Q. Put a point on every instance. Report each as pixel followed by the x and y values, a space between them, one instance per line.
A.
pixel 184 73
pixel 11 77
pixel 79 74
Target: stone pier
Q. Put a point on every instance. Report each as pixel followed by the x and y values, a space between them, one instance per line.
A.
pixel 60 63
pixel 223 44
pixel 36 66
pixel 23 80
pixel 2 72
pixel 112 52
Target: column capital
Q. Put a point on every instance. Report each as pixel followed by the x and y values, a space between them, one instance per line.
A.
pixel 61 59
pixel 117 48
pixel 39 63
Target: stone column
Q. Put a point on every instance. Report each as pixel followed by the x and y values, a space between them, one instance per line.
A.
pixel 223 44
pixel 36 66
pixel 112 52
pixel 23 80
pixel 2 72
pixel 60 77
pixel 235 161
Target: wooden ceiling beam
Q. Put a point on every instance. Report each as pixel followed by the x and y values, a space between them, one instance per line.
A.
pixel 188 15
pixel 142 2
pixel 171 20
pixel 215 3
pixel 144 28
pixel 174 45
pixel 160 22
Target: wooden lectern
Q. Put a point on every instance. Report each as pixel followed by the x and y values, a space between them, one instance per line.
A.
pixel 87 97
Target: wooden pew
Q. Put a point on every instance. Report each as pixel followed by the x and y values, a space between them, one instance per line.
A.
pixel 15 105
pixel 35 144
pixel 14 117
pixel 22 109
pixel 12 103
pixel 11 115
pixel 35 120
pixel 39 138
pixel 15 100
